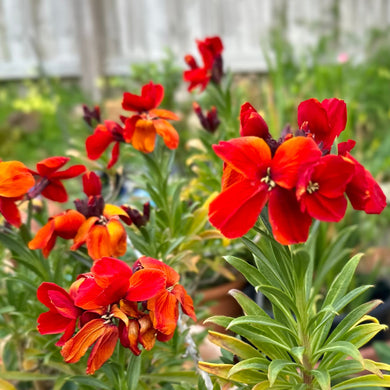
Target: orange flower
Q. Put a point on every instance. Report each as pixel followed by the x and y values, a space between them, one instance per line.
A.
pixel 64 225
pixel 104 235
pixel 15 181
pixel 141 129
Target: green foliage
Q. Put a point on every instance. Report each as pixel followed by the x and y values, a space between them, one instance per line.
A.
pixel 294 345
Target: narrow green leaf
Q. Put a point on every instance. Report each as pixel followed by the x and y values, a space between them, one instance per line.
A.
pixel 323 378
pixel 343 347
pixel 251 274
pixel 90 381
pixel 26 376
pixel 275 367
pixel 256 364
pixel 172 377
pixel 233 345
pixel 361 381
pixel 133 372
pixel 248 306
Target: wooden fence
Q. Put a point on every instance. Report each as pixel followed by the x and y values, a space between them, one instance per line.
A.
pixel 90 38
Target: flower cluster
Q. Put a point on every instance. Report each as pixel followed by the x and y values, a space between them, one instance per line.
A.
pixel 297 175
pixel 136 306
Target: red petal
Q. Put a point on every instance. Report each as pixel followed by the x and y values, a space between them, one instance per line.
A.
pixel 73 171
pixel 172 277
pixel 169 134
pixel 235 210
pixel 145 283
pixel 164 114
pixel 289 224
pixel 130 127
pixel 91 184
pixel 52 323
pixel 250 156
pixel 108 270
pixel 10 211
pixel 154 92
pixel 377 199
pixel 43 236
pixel 114 155
pixel 63 304
pixel 82 233
pixel 252 123
pixel 337 115
pixel 56 191
pixel 292 156
pixel 68 333
pixel 103 349
pixel 43 293
pixel 98 142
pixel 48 166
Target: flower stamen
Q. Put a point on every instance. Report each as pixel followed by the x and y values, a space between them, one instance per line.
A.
pixel 312 187
pixel 267 180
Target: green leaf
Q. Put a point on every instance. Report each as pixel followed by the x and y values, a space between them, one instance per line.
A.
pixel 275 367
pixel 340 285
pixel 323 378
pixel 248 306
pixel 172 377
pixel 361 381
pixel 256 364
pixel 342 347
pixel 133 372
pixel 233 345
pixel 90 381
pixel 251 274
pixel 26 376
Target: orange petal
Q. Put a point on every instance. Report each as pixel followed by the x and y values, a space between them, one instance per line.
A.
pixel 185 300
pixel 118 238
pixel 103 349
pixel 172 276
pixel 164 114
pixel 164 312
pixel 118 313
pixel 68 224
pixel 98 242
pixel 147 334
pixel 169 134
pixel 15 179
pixel 43 236
pixel 78 345
pixel 144 136
pixel 82 234
pixel 132 333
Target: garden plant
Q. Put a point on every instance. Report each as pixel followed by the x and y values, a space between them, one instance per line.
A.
pixel 100 277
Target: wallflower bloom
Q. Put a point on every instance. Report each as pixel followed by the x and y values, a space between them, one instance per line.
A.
pixel 102 137
pixel 49 178
pixel 321 188
pixel 324 121
pixel 260 177
pixel 62 315
pixel 15 181
pixel 141 128
pixel 164 306
pixel 102 230
pixel 64 225
pixel 210 50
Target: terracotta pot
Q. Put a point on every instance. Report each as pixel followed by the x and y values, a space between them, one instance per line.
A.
pixel 220 302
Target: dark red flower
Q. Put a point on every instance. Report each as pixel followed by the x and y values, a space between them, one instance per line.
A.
pixel 49 178
pixel 210 121
pixel 210 50
pixel 91 115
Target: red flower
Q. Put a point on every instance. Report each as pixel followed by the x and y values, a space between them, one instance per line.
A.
pixel 320 189
pixel 325 120
pixel 62 315
pixel 15 181
pixel 210 50
pixel 210 121
pixel 64 225
pixel 49 184
pixel 164 306
pixel 141 129
pixel 363 191
pixel 259 177
pixel 252 123
pixel 111 280
pixel 101 139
